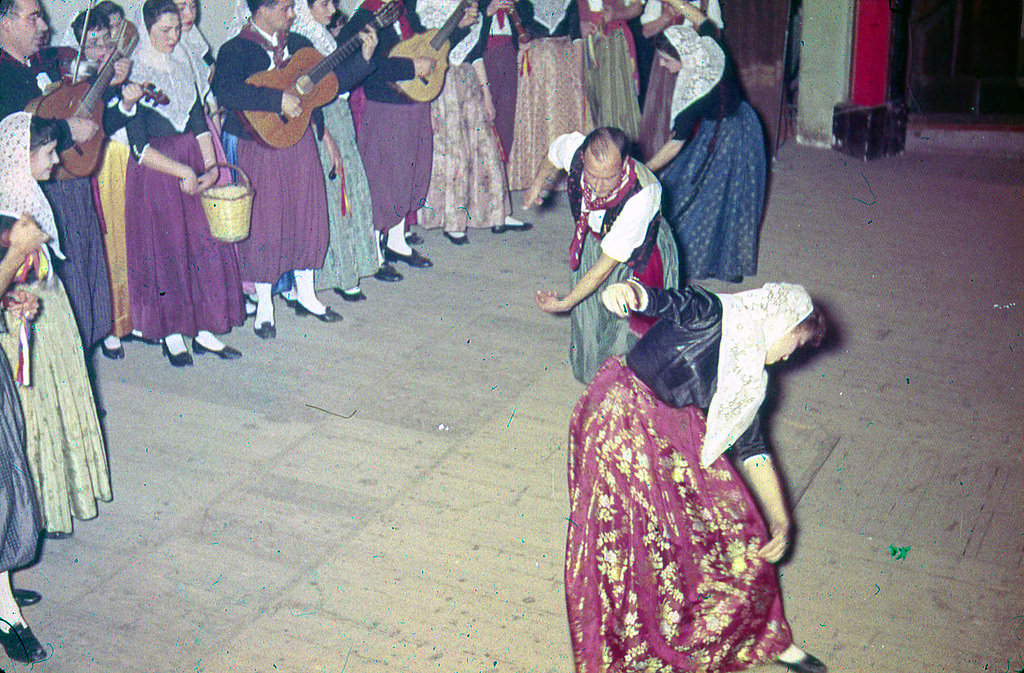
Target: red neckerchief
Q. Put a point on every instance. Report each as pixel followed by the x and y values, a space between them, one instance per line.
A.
pixel 591 202
pixel 250 33
pixel 499 18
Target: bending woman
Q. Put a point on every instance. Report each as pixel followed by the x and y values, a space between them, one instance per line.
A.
pixel 714 166
pixel 668 564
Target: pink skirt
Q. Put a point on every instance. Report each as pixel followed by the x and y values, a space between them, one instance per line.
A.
pixel 661 565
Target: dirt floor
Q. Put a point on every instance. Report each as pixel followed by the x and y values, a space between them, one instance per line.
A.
pixel 388 493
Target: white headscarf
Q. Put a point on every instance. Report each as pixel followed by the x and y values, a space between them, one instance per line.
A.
pixel 433 14
pixel 19 191
pixel 171 73
pixel 239 18
pixel 703 65
pixel 197 47
pixel 308 27
pixel 751 322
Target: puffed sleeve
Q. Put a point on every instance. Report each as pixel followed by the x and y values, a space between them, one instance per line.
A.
pixel 563 149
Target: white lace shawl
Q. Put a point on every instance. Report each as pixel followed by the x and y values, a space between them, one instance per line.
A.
pixel 433 14
pixel 19 191
pixel 703 65
pixel 751 322
pixel 308 27
pixel 171 73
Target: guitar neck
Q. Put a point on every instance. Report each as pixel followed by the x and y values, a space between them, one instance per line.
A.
pixel 99 85
pixel 381 19
pixel 445 31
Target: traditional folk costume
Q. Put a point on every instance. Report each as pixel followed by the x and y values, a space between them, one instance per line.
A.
pixel 656 120
pixel 661 567
pixel 549 99
pixel 289 213
pixel 609 71
pixel 715 186
pixel 626 226
pixel 353 250
pixel 84 269
pixel 393 133
pixel 181 279
pixel 467 180
pixel 64 443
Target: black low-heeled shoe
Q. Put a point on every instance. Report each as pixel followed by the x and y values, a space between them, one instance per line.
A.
pixel 225 353
pixel 22 645
pixel 413 259
pixel 387 274
pixel 327 316
pixel 455 240
pixel 112 353
pixel 26 597
pixel 502 228
pixel 809 664
pixel 350 296
pixel 265 330
pixel 183 359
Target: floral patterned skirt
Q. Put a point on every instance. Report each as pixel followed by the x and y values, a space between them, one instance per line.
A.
pixel 661 565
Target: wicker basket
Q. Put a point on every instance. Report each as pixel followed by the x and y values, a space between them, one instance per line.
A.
pixel 229 207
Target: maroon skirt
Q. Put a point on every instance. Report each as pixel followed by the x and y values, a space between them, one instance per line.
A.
pixel 655 125
pixel 180 279
pixel 397 146
pixel 503 80
pixel 289 211
pixel 661 563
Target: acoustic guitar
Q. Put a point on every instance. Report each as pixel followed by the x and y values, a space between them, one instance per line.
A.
pixel 431 44
pixel 84 100
pixel 310 76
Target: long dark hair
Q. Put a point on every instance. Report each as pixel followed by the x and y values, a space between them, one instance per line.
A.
pixel 42 131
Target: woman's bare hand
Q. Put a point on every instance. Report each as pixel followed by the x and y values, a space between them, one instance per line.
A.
pixel 620 299
pixel 777 546
pixel 23 305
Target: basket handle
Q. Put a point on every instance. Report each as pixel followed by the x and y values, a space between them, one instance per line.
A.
pixel 248 182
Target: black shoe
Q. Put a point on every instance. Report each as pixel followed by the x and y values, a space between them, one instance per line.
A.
pixel 265 330
pixel 133 337
pixel 22 645
pixel 56 535
pixel 225 353
pixel 413 239
pixel 387 274
pixel 179 360
pixel 414 259
pixel 350 296
pixel 809 664
pixel 112 353
pixel 327 316
pixel 25 597
pixel 502 228
pixel 456 240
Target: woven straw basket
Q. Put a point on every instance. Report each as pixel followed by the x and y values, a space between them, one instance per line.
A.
pixel 229 207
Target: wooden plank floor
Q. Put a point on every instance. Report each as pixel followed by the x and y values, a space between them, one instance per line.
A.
pixel 388 494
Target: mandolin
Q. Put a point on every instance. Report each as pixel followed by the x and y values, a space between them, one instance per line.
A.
pixel 431 44
pixel 84 100
pixel 310 76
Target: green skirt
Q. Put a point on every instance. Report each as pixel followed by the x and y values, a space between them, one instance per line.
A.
pixel 611 84
pixel 595 334
pixel 63 440
pixel 352 252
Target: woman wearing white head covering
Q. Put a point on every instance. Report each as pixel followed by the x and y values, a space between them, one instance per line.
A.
pixel 715 169
pixel 65 449
pixel 353 252
pixel 468 187
pixel 669 565
pixel 182 282
pixel 656 120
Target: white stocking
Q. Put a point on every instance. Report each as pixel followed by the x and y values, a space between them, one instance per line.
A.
pixel 208 341
pixel 9 610
pixel 264 304
pixel 305 293
pixel 396 239
pixel 175 344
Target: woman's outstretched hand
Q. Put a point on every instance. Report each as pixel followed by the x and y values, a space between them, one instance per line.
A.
pixel 777 546
pixel 621 298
